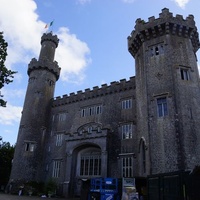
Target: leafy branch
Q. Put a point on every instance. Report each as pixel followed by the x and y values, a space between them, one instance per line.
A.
pixel 6 75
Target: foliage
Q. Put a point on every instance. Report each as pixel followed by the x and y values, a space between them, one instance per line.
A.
pixel 6 156
pixel 34 188
pixel 51 186
pixel 6 75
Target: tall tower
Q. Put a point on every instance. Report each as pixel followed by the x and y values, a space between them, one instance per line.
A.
pixel 43 74
pixel 167 93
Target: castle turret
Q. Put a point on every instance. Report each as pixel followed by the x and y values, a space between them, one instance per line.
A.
pixel 43 74
pixel 167 93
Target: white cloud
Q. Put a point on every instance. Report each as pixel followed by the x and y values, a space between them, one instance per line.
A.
pixel 13 93
pixel 23 30
pixel 17 77
pixel 10 114
pixel 72 55
pixel 181 3
pixel 21 27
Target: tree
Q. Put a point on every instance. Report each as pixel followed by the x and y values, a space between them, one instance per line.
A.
pixel 6 75
pixel 6 156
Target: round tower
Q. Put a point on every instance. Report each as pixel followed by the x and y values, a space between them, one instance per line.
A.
pixel 43 74
pixel 167 93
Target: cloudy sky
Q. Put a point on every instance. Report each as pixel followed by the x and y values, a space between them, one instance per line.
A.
pixel 92 49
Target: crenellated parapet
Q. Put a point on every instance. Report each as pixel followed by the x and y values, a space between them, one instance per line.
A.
pixel 165 24
pixel 44 64
pixel 114 87
pixel 50 37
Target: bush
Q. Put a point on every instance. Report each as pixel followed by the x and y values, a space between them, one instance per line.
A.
pixel 51 187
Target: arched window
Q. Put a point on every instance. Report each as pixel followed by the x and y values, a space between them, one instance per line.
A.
pixel 90 162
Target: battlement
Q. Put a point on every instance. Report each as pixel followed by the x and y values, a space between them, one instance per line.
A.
pixel 44 64
pixel 114 87
pixel 50 37
pixel 165 24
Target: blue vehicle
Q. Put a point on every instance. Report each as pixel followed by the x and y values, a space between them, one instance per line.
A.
pixel 104 189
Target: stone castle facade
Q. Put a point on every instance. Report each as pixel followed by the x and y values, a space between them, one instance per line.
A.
pixel 146 125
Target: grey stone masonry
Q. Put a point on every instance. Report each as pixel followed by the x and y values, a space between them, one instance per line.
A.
pixel 165 24
pixel 167 92
pixel 146 125
pixel 43 75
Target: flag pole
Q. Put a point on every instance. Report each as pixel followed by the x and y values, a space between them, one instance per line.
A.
pixel 49 25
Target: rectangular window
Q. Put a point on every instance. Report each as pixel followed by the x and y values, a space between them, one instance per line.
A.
pixel 92 110
pixel 29 146
pixel 98 129
pixel 59 139
pixel 127 167
pixel 56 168
pixel 162 107
pixel 127 131
pixel 185 74
pixel 156 50
pixel 83 112
pixel 90 129
pixel 90 165
pixel 62 117
pixel 53 118
pixel 98 109
pixel 127 104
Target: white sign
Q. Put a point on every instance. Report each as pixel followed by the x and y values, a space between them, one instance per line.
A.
pixel 128 182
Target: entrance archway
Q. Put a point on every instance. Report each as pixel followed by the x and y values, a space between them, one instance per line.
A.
pixel 86 164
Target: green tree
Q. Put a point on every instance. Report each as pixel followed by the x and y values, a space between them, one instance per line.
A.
pixel 6 156
pixel 6 75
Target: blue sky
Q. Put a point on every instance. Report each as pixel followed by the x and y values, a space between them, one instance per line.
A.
pixel 92 49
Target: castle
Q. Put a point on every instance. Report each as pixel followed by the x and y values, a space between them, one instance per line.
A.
pixel 146 125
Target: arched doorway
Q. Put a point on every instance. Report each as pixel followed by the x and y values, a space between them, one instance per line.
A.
pixel 86 164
